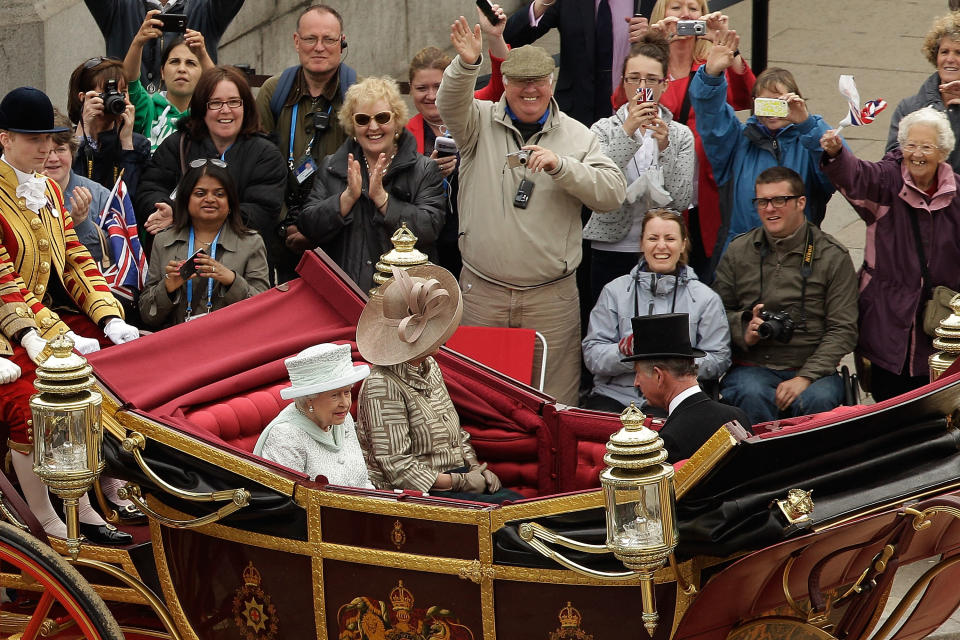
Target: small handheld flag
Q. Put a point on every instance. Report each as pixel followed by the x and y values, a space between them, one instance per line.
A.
pixel 858 115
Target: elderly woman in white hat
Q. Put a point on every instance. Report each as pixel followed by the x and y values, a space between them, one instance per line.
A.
pixel 406 421
pixel 315 434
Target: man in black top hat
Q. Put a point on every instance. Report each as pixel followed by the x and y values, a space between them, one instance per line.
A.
pixel 667 376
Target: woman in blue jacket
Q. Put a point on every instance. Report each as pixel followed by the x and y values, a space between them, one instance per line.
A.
pixel 739 152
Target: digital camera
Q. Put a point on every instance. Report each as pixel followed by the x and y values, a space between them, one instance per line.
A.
pixel 777 325
pixel 691 27
pixel 113 101
pixel 517 158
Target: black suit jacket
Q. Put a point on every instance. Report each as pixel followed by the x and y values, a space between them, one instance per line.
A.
pixel 694 421
pixel 575 19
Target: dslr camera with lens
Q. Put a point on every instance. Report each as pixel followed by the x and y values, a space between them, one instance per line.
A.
pixel 113 101
pixel 777 325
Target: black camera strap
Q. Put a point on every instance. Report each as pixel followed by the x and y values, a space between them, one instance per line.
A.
pixel 921 254
pixel 806 270
pixel 654 279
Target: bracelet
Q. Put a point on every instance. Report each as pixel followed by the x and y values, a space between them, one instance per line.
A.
pixel 735 53
pixel 385 201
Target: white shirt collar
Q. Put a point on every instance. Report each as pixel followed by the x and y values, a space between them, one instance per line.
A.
pixel 683 395
pixel 21 176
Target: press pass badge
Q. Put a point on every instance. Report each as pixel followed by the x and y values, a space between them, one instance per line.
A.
pixel 305 169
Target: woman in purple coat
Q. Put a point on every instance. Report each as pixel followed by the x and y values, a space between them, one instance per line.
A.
pixel 909 201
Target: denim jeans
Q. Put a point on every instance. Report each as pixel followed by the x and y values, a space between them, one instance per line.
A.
pixel 753 389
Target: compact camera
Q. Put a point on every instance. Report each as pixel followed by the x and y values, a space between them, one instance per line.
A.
pixel 445 147
pixel 691 27
pixel 113 101
pixel 518 158
pixel 777 325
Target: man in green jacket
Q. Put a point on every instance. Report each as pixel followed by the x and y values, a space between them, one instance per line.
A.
pixel 790 292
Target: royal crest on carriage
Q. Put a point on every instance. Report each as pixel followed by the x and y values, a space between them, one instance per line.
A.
pixel 367 619
pixel 570 619
pixel 253 612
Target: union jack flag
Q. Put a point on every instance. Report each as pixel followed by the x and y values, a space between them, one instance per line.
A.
pixel 128 272
pixel 858 115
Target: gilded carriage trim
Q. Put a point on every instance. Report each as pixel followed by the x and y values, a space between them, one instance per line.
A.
pixel 380 506
pixel 224 532
pixel 109 421
pixel 109 555
pixel 487 609
pixel 393 559
pixel 319 598
pixel 564 576
pixel 690 574
pixel 546 507
pixel 112 594
pixel 703 460
pixel 166 583
pixel 199 449
pixel 570 621
pixel 311 498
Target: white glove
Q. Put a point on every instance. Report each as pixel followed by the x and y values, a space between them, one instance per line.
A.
pixel 83 345
pixel 119 331
pixel 33 343
pixel 9 371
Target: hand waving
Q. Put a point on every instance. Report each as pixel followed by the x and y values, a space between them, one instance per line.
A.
pixel 467 42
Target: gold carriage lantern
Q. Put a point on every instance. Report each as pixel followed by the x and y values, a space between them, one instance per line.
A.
pixel 640 510
pixel 947 342
pixel 640 503
pixel 403 255
pixel 66 425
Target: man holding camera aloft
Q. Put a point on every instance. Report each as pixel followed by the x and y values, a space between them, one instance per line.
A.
pixel 526 169
pixel 790 292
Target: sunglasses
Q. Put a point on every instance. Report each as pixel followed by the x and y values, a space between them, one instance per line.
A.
pixel 96 62
pixel 199 162
pixel 363 119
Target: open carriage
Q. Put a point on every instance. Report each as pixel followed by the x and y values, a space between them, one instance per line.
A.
pixel 239 547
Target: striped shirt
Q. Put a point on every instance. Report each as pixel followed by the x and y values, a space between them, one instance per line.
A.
pixel 408 427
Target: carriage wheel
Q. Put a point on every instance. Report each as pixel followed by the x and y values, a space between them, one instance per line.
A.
pixel 61 585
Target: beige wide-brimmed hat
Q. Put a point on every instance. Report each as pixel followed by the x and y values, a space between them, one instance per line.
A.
pixel 415 312
pixel 322 367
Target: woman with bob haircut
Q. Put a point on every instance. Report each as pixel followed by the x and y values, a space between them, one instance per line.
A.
pixel 108 142
pixel 374 182
pixel 223 123
pixel 909 201
pixel 232 267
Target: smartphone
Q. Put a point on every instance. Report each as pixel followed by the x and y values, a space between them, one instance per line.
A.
pixel 487 8
pixel 691 27
pixel 445 147
pixel 173 22
pixel 189 266
pixel 770 107
pixel 644 94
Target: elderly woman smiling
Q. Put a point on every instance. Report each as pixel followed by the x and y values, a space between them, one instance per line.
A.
pixel 375 181
pixel 315 435
pixel 909 201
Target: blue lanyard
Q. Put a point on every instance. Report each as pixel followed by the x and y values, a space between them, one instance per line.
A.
pixel 293 127
pixel 223 158
pixel 213 255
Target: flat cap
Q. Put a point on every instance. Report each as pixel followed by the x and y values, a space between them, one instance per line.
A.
pixel 527 61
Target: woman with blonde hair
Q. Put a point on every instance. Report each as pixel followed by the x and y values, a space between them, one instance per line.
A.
pixel 373 183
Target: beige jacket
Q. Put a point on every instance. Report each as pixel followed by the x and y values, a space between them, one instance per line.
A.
pixel 522 248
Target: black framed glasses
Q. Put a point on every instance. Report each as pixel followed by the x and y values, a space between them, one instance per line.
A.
pixel 363 119
pixel 778 202
pixel 216 105
pixel 199 162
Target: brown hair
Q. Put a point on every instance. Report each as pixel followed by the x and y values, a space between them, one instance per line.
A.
pixel 671 216
pixel 428 58
pixel 702 48
pixel 652 45
pixel 783 174
pixel 773 76
pixel 64 137
pixel 946 27
pixel 88 76
pixel 206 85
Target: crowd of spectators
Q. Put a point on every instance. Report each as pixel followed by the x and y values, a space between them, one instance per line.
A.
pixel 710 216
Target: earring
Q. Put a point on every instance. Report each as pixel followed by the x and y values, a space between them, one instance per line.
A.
pixel 310 408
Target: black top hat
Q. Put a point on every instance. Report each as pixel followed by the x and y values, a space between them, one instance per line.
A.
pixel 27 110
pixel 666 335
